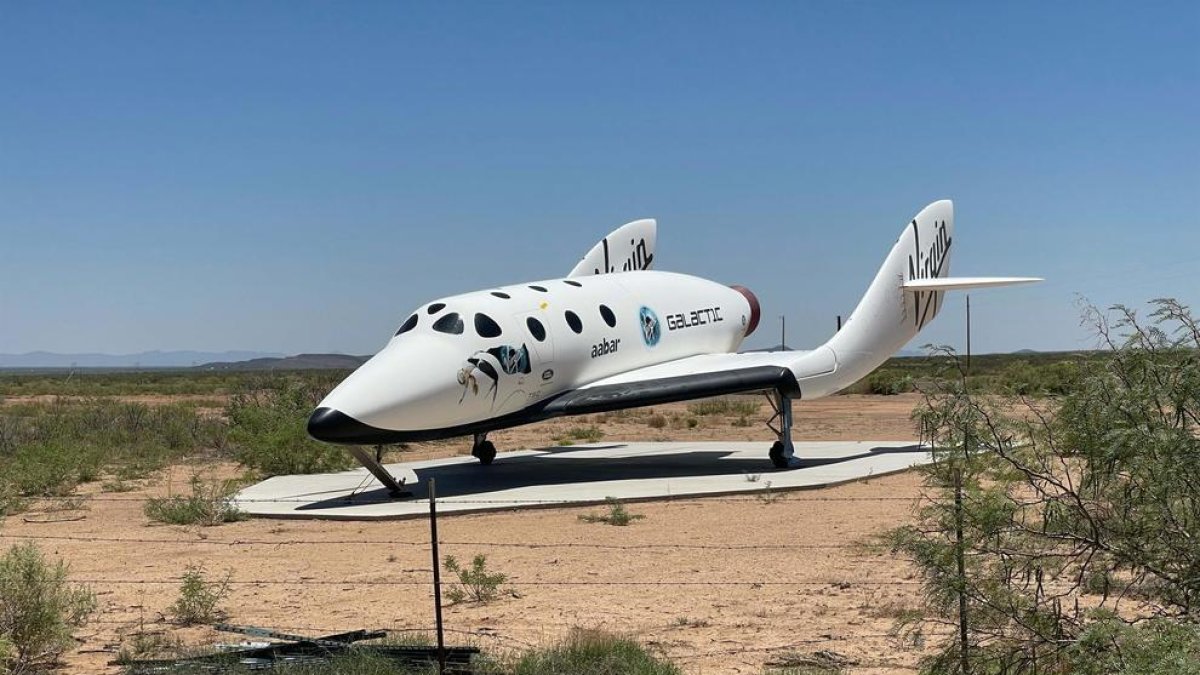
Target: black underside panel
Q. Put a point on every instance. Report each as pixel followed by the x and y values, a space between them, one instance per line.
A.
pixel 671 389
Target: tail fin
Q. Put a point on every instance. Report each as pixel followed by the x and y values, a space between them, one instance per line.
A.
pixel 629 247
pixel 905 296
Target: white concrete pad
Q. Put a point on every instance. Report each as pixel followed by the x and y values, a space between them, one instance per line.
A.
pixel 580 474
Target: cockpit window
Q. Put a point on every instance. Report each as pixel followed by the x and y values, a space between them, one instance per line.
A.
pixel 452 323
pixel 486 327
pixel 536 329
pixel 436 307
pixel 409 324
pixel 501 294
pixel 539 289
pixel 572 282
pixel 573 321
pixel 608 316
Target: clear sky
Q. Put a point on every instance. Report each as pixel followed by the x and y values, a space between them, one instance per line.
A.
pixel 297 176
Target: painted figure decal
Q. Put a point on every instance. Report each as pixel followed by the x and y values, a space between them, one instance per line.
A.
pixel 651 328
pixel 489 364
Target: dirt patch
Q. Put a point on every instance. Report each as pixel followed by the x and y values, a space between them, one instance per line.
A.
pixel 722 585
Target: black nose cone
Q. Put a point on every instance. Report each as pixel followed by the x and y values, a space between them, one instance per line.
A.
pixel 334 426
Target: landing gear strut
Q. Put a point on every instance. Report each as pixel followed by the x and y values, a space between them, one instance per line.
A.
pixel 374 464
pixel 783 453
pixel 483 449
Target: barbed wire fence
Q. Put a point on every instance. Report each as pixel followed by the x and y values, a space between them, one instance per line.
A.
pixel 423 576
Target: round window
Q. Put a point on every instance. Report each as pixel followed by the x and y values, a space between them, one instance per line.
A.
pixel 608 316
pixel 408 324
pixel 452 323
pixel 573 321
pixel 536 329
pixel 486 327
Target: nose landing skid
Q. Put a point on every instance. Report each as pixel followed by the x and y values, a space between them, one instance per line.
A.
pixel 395 488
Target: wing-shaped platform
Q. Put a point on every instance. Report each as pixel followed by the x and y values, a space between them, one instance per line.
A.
pixel 576 475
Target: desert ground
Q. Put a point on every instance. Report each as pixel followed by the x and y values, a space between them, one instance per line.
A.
pixel 720 585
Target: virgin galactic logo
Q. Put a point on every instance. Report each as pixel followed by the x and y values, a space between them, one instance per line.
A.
pixel 651 327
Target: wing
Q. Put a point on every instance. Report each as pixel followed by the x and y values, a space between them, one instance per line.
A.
pixel 696 377
pixel 966 283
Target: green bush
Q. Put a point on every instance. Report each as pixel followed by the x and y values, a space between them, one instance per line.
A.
pixel 590 433
pixel 723 406
pixel 51 468
pixel 475 583
pixel 199 598
pixel 1040 522
pixel 887 383
pixel 269 428
pixel 207 505
pixel 46 449
pixel 1111 646
pixel 617 514
pixel 39 609
pixel 589 652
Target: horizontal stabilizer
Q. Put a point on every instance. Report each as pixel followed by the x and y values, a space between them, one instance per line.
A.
pixel 964 283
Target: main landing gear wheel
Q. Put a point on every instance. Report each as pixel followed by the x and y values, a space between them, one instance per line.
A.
pixel 783 452
pixel 483 450
pixel 778 458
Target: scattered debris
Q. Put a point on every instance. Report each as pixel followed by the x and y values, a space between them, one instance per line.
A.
pixel 289 648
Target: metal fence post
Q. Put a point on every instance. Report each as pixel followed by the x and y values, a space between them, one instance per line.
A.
pixel 437 577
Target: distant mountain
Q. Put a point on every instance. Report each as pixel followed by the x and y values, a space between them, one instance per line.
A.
pixel 153 359
pixel 297 362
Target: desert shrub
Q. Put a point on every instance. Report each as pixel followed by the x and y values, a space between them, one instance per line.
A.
pixel 1067 509
pixel 475 583
pixel 1025 379
pixel 887 383
pixel 723 406
pixel 199 597
pixel 656 421
pixel 208 505
pixel 590 433
pixel 50 469
pixel 617 514
pixel 269 428
pixel 590 652
pixel 712 406
pixel 1110 646
pixel 109 383
pixel 46 449
pixel 39 609
pixel 143 643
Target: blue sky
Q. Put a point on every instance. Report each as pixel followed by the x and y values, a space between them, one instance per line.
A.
pixel 297 176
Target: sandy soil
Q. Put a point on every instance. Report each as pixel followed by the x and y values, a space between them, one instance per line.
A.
pixel 722 585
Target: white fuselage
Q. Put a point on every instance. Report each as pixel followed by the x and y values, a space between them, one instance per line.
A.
pixel 515 346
